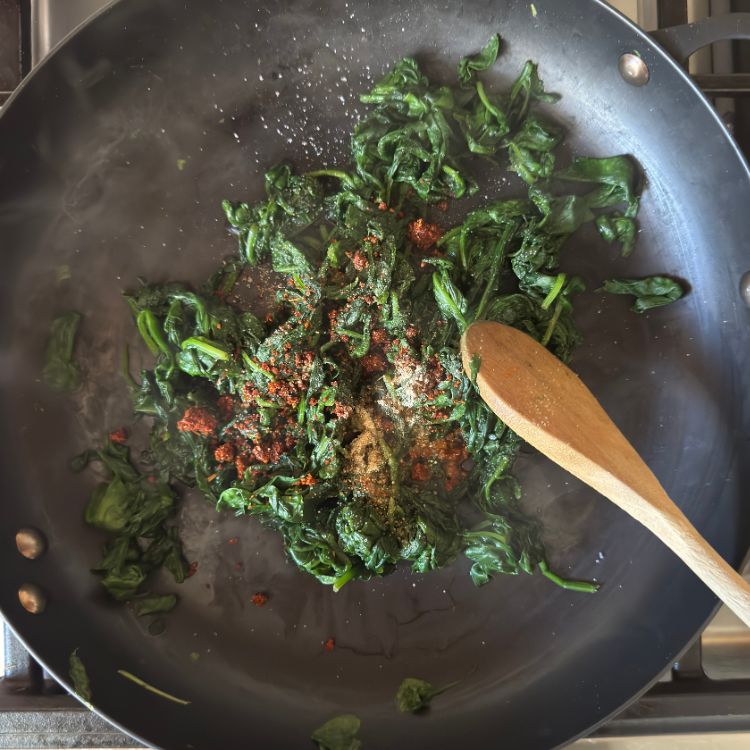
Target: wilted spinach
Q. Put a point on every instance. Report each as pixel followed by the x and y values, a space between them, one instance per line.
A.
pixel 415 695
pixel 79 677
pixel 653 291
pixel 343 418
pixel 339 733
pixel 138 513
pixel 61 371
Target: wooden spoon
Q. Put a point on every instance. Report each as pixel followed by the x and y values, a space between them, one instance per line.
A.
pixel 548 406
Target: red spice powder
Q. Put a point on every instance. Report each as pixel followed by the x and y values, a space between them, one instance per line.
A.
pixel 225 405
pixel 198 420
pixel 342 411
pixel 241 464
pixel 359 261
pixel 420 471
pixel 374 364
pixel 330 644
pixel 259 599
pixel 423 234
pixel 224 454
pixel 192 569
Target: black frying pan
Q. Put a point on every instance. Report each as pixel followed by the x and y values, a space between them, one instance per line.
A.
pixel 90 189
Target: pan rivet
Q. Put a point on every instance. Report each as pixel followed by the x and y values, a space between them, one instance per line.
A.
pixel 633 69
pixel 31 543
pixel 32 598
pixel 745 288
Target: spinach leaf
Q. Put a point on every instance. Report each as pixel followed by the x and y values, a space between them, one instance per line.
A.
pixel 61 372
pixel 616 176
pixel 80 678
pixel 415 695
pixel 151 605
pixel 650 292
pixel 339 733
pixel 137 512
pixel 482 61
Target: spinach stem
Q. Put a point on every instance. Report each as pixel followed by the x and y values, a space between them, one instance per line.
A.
pixel 552 324
pixel 556 289
pixel 343 579
pixel 142 683
pixel 255 367
pixel 582 586
pixel 499 253
pixel 207 347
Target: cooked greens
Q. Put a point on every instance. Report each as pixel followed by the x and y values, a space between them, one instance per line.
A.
pixel 415 695
pixel 653 291
pixel 342 417
pixel 339 733
pixel 79 677
pixel 61 371
pixel 138 512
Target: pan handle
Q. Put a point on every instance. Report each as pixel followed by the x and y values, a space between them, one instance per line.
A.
pixel 683 41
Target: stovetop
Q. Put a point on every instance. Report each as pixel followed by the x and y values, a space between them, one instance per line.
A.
pixel 704 699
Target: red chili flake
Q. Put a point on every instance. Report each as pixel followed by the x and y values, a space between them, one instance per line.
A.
pixel 424 235
pixel 382 206
pixel 330 644
pixel 371 239
pixel 307 481
pixel 198 420
pixel 259 599
pixel 119 436
pixel 192 569
pixel 411 332
pixel 151 479
pixel 233 540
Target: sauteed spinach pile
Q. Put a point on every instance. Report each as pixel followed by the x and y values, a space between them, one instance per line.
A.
pixel 339 413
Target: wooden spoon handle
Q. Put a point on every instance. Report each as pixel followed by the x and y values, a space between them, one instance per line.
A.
pixel 548 406
pixel 671 526
pixel 642 496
